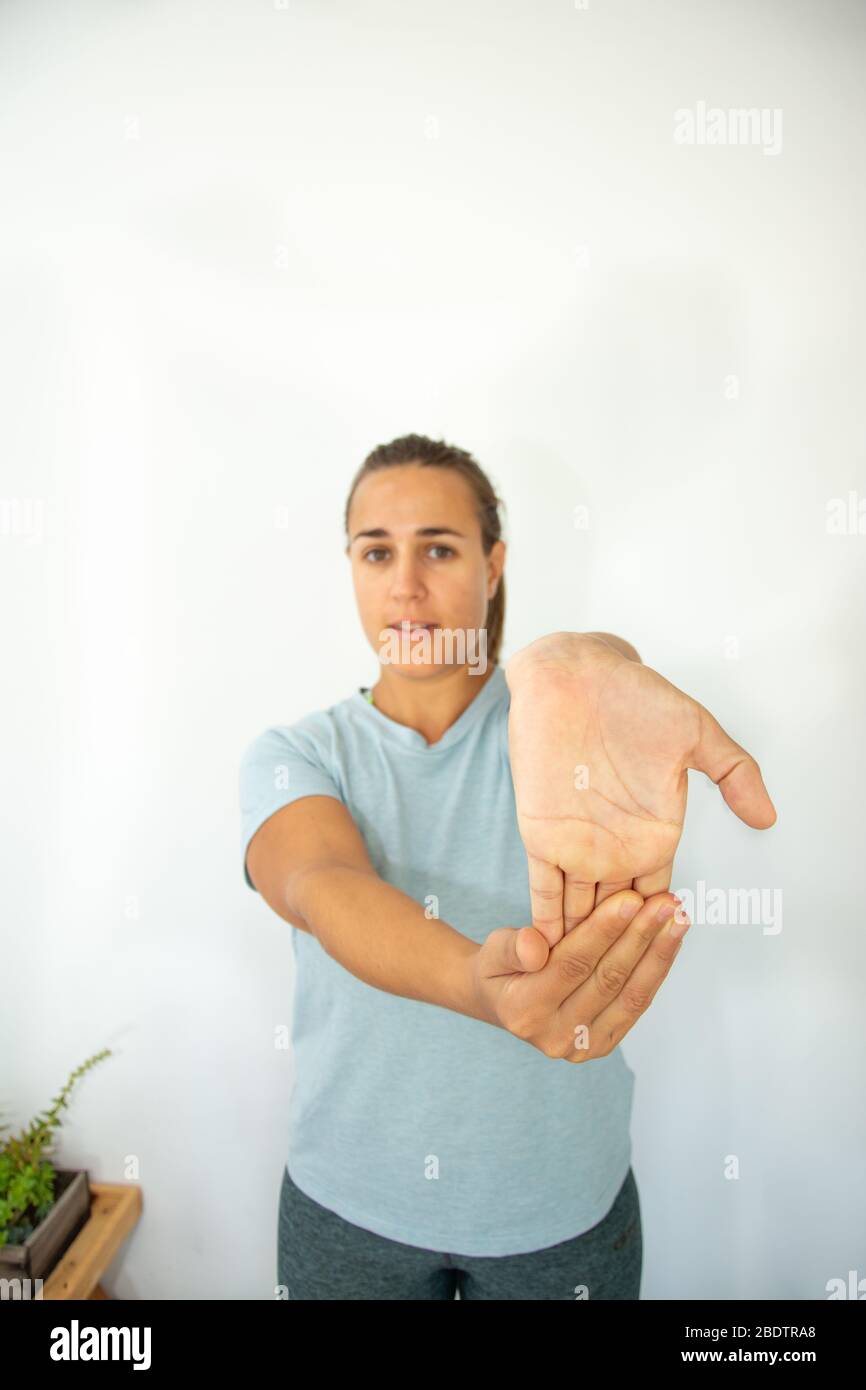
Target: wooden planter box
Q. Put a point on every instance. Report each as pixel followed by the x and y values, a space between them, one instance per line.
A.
pixel 43 1248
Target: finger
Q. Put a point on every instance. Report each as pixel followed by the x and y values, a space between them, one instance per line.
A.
pixel 604 890
pixel 616 967
pixel 577 954
pixel 612 1024
pixel 659 881
pixel 734 772
pixel 513 951
pixel 546 898
pixel 578 901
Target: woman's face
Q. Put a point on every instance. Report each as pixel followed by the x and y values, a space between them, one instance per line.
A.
pixel 442 577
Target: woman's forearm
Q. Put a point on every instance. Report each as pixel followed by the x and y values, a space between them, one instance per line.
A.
pixel 383 936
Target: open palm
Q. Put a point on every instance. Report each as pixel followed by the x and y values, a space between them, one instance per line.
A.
pixel 600 746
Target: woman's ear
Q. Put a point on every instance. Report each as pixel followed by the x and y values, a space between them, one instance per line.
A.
pixel 495 566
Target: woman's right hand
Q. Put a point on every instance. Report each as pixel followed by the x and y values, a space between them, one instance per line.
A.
pixel 576 1000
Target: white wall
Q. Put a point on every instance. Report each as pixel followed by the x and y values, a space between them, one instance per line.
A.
pixel 243 244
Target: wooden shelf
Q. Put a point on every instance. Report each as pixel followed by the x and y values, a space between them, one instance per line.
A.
pixel 114 1210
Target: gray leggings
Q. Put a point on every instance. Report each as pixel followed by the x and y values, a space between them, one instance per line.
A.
pixel 320 1255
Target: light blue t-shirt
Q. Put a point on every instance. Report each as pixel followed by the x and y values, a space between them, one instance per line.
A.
pixel 406 1118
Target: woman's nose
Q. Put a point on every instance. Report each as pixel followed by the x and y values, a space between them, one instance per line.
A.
pixel 407 579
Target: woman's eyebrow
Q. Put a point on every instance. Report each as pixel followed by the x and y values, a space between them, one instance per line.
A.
pixel 379 531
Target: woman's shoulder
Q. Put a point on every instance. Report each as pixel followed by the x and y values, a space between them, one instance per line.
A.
pixel 316 729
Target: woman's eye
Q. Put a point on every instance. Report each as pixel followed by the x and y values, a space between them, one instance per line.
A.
pixel 380 550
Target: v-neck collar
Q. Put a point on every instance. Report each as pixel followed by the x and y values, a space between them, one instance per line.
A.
pixel 494 688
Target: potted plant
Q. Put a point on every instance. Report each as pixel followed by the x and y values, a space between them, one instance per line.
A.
pixel 42 1208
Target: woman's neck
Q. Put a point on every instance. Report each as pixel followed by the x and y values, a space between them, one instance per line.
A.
pixel 428 704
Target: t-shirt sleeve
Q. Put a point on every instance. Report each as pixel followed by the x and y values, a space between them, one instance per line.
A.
pixel 280 766
pixel 502 718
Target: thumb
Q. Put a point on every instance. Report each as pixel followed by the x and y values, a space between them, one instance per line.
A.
pixel 514 950
pixel 734 772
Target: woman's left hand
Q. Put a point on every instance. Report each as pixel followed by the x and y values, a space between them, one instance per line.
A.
pixel 600 746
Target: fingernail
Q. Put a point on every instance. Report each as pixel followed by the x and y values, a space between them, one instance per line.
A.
pixel 679 928
pixel 629 909
pixel 665 911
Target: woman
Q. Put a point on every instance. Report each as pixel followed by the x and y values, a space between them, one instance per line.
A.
pixel 431 1150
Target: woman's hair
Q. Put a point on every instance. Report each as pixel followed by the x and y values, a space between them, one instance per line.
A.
pixel 435 453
